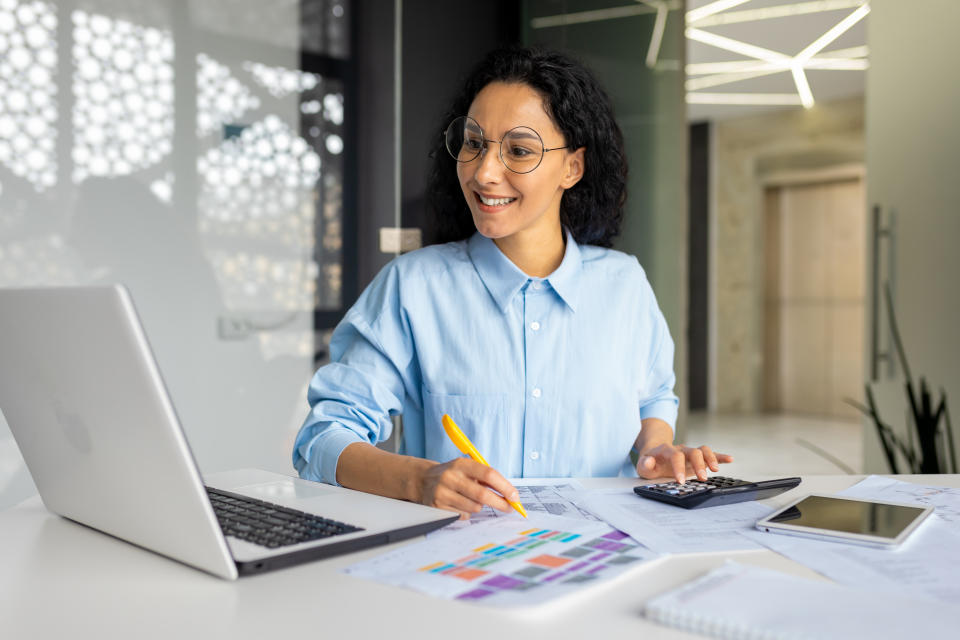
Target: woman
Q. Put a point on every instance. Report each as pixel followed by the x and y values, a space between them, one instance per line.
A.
pixel 545 346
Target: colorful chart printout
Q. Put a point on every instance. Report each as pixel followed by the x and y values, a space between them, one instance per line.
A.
pixel 507 562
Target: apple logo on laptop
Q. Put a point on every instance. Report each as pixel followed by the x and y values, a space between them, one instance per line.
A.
pixel 73 429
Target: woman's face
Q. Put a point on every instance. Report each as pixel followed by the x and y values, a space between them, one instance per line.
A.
pixel 513 206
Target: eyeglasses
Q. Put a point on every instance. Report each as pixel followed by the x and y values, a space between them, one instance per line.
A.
pixel 521 149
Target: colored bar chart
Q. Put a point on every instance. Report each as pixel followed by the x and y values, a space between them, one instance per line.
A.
pixel 509 562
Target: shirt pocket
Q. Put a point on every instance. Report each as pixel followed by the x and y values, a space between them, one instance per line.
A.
pixel 480 416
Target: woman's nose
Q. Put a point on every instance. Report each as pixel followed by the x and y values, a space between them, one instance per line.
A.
pixel 490 169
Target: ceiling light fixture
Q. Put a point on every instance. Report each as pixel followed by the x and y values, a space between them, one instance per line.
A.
pixel 779 11
pixel 709 9
pixel 853 52
pixel 736 46
pixel 853 58
pixel 835 32
pixel 596 15
pixel 736 72
pixel 768 62
pixel 803 87
pixel 766 99
pixel 659 25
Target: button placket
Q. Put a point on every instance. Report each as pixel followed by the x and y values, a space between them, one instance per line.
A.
pixel 539 304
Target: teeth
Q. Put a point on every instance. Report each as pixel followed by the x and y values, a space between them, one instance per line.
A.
pixel 493 202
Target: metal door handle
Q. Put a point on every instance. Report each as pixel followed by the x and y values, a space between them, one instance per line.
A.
pixel 879 232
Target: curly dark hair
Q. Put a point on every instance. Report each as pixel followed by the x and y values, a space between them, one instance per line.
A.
pixel 593 208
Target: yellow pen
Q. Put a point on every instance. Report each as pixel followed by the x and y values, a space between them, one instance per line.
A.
pixel 463 443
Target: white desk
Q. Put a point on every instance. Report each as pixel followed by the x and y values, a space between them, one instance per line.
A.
pixel 59 579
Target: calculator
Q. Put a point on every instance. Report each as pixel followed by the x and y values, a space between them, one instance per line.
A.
pixel 714 491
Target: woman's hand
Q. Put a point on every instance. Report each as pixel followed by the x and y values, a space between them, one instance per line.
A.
pixel 465 486
pixel 659 458
pixel 679 461
pixel 460 485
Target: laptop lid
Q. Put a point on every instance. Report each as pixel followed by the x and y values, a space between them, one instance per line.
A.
pixel 87 406
pixel 96 426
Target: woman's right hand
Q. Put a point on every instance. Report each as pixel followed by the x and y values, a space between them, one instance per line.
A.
pixel 465 486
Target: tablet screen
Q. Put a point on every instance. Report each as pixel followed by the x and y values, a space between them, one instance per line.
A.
pixel 850 516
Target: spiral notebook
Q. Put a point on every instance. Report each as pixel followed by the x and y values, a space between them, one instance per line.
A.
pixel 738 601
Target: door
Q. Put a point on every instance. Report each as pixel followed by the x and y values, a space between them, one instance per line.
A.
pixel 814 307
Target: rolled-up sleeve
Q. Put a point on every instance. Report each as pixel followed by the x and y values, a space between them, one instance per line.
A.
pixel 352 398
pixel 657 399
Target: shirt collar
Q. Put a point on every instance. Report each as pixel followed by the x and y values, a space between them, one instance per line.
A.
pixel 565 280
pixel 503 279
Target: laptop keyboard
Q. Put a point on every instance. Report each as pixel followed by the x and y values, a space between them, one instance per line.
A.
pixel 270 525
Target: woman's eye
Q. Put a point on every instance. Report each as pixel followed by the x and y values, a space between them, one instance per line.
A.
pixel 472 144
pixel 520 152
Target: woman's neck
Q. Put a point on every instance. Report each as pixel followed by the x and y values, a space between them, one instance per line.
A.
pixel 536 254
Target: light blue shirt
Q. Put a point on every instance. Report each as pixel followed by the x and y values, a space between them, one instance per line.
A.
pixel 548 377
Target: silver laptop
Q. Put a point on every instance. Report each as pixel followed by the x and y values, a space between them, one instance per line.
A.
pixel 85 401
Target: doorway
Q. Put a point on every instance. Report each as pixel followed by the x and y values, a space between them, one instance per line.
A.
pixel 815 252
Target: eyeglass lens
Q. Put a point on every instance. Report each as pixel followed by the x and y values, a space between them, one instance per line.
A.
pixel 521 148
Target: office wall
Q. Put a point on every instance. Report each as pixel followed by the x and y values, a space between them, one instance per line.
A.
pixel 913 151
pixel 745 150
pixel 649 105
pixel 159 144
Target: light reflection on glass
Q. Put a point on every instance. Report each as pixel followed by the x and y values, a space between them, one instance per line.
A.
pixel 123 96
pixel 221 98
pixel 28 95
pixel 266 189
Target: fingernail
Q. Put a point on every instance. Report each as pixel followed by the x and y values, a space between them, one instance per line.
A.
pixel 514 497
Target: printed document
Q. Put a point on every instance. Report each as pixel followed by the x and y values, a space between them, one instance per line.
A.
pixel 664 528
pixel 924 566
pixel 548 496
pixel 741 601
pixel 509 562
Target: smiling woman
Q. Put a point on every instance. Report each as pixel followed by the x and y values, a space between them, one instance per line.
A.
pixel 544 345
pixel 509 201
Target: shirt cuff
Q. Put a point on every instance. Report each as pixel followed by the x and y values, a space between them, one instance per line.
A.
pixel 323 454
pixel 665 410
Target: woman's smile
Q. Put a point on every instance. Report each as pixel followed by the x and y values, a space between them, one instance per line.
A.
pixel 492 203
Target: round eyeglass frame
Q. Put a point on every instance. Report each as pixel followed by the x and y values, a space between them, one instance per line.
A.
pixel 482 150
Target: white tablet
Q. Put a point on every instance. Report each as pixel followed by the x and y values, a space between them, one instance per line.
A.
pixel 867 522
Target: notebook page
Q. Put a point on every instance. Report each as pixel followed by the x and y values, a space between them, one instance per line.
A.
pixel 741 601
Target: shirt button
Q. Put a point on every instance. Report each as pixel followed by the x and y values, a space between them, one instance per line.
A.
pixel 535 326
pixel 534 455
pixel 536 284
pixel 536 392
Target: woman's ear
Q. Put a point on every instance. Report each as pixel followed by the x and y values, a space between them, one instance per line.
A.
pixel 573 168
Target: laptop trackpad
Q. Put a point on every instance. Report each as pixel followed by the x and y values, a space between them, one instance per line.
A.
pixel 285 490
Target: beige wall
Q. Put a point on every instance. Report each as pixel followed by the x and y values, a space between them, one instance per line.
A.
pixel 746 152
pixel 913 99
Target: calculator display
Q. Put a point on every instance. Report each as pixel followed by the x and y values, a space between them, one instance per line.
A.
pixel 849 516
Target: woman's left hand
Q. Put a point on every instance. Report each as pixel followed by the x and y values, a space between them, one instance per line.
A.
pixel 679 461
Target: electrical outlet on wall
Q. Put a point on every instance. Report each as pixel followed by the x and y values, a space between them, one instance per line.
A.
pixel 397 240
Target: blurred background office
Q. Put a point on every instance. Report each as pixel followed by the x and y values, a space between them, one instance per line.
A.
pixel 246 167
